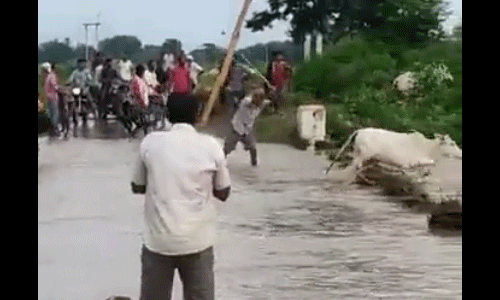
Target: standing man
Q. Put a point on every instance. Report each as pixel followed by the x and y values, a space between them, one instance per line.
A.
pixel 98 61
pixel 180 172
pixel 235 87
pixel 139 89
pixel 157 97
pixel 194 69
pixel 243 122
pixel 151 79
pixel 280 74
pixel 52 90
pixel 179 80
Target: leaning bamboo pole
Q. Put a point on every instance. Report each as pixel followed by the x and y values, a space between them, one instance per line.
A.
pixel 226 64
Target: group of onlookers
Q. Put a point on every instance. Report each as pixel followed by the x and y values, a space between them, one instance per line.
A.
pixel 171 76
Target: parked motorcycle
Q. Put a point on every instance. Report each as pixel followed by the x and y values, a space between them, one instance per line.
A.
pixel 80 105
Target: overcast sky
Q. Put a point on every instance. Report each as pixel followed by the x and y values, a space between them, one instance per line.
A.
pixel 193 22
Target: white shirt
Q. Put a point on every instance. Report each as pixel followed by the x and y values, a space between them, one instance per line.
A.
pixel 180 168
pixel 125 69
pixel 195 69
pixel 97 76
pixel 245 116
pixel 151 81
pixel 168 61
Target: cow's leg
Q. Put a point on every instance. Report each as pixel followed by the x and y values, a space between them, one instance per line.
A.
pixel 365 179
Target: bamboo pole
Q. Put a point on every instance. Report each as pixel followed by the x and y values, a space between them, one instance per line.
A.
pixel 226 64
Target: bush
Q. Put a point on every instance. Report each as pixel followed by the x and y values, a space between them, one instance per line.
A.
pixel 344 67
pixel 361 72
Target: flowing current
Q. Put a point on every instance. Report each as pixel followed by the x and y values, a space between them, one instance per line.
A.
pixel 286 232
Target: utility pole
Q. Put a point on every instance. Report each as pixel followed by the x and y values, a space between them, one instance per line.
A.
pixel 87 25
pixel 319 43
pixel 97 32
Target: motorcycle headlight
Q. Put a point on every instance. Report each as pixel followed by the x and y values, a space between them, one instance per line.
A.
pixel 76 91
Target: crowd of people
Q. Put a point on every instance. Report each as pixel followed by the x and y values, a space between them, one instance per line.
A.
pixel 154 82
pixel 172 76
pixel 183 167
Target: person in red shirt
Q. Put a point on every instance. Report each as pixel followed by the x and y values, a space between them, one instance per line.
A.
pixel 179 82
pixel 280 78
pixel 179 78
pixel 52 91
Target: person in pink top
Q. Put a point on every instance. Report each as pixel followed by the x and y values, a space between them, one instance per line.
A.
pixel 139 88
pixel 179 78
pixel 52 90
pixel 179 81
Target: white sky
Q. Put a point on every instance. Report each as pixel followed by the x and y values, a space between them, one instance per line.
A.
pixel 193 22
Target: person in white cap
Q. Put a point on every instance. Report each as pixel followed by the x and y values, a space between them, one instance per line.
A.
pixel 195 70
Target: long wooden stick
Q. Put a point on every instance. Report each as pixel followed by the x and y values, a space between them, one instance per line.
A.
pixel 227 62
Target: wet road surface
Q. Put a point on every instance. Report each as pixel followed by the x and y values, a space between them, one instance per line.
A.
pixel 286 232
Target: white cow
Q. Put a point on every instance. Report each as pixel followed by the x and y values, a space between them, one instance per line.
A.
pixel 401 149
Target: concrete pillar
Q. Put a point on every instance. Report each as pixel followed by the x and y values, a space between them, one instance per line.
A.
pixel 319 44
pixel 307 47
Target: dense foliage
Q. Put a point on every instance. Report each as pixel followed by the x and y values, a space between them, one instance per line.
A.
pixel 354 79
pixel 410 22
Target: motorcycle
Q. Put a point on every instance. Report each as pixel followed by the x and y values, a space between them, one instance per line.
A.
pixel 112 100
pixel 81 105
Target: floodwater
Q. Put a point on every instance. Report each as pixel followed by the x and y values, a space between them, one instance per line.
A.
pixel 286 232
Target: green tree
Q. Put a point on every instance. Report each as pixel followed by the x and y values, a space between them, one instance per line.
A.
pixel 55 51
pixel 80 51
pixel 257 53
pixel 208 55
pixel 394 21
pixel 150 52
pixel 121 45
pixel 171 46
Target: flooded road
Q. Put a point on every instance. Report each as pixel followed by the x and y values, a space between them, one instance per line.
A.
pixel 286 232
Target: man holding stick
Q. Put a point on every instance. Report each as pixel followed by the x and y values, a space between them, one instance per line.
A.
pixel 243 121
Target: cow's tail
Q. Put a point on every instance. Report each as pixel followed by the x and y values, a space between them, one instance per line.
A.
pixel 342 149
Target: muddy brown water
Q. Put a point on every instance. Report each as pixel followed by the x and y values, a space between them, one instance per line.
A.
pixel 286 232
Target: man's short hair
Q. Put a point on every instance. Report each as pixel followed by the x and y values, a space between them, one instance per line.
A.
pixel 140 69
pixel 182 108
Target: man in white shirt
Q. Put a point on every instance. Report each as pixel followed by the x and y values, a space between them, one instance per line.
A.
pixel 195 70
pixel 168 61
pixel 180 171
pixel 151 79
pixel 125 69
pixel 243 121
